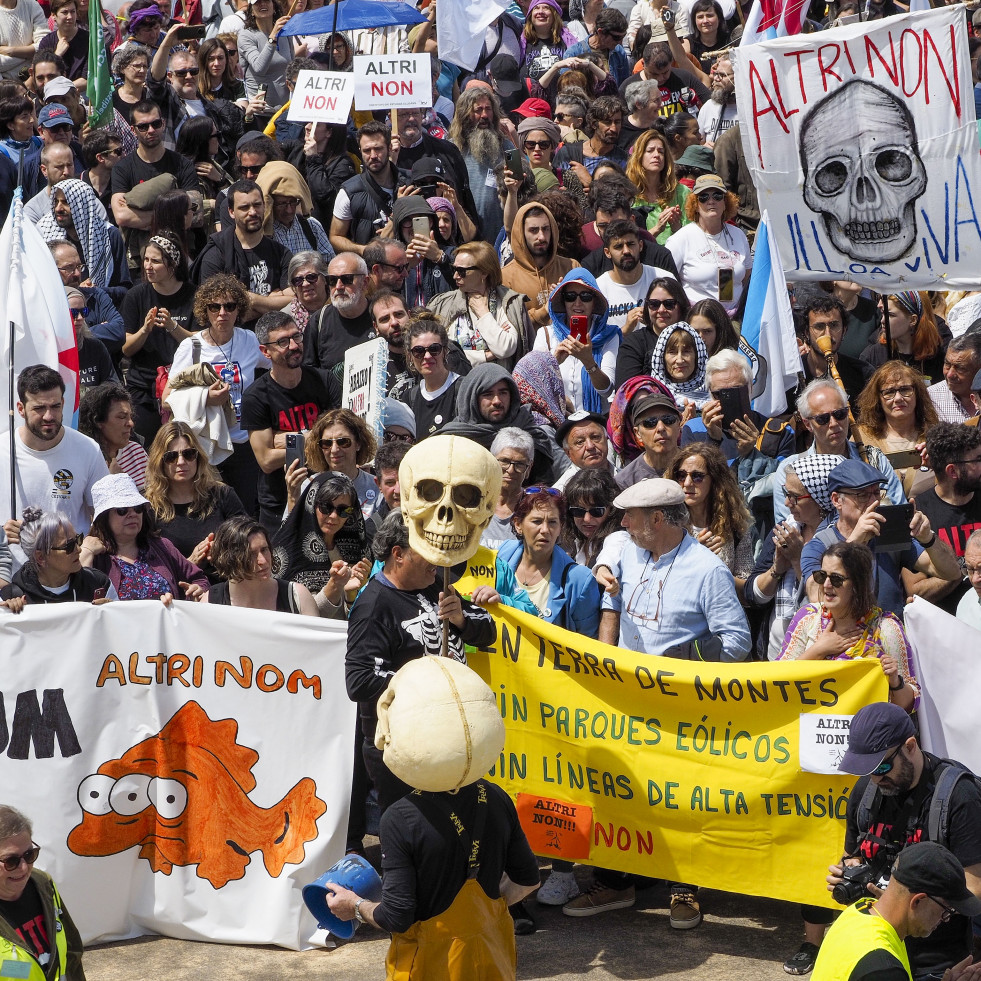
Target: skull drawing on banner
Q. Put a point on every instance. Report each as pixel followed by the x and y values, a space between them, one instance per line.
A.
pixel 863 172
pixel 450 485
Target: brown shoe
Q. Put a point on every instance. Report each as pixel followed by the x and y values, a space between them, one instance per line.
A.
pixel 599 899
pixel 685 914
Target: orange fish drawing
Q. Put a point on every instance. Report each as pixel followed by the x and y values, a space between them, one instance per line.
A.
pixel 182 796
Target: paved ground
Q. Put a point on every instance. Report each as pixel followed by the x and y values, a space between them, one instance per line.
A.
pixel 741 938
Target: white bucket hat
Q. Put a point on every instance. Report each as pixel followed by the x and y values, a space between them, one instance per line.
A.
pixel 118 490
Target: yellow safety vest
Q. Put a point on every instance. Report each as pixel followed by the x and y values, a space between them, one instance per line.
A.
pixel 856 932
pixel 17 962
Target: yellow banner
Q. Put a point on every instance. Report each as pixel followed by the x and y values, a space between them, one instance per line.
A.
pixel 675 769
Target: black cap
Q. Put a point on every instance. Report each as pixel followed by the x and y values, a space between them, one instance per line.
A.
pixel 929 867
pixel 427 167
pixel 504 69
pixel 875 730
pixel 580 416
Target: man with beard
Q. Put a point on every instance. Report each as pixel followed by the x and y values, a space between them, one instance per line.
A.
pixel 625 285
pixel 889 809
pixel 345 322
pixel 603 121
pixel 363 205
pixel 719 113
pixel 387 264
pixel 611 27
pixel 476 131
pixel 54 467
pixel 286 399
pixel 57 165
pixel 818 315
pixel 260 263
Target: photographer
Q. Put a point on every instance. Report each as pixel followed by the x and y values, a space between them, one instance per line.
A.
pixel 890 808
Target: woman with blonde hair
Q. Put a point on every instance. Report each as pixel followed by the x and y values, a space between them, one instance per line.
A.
pixel 659 194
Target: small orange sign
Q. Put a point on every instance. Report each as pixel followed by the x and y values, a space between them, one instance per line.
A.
pixel 555 827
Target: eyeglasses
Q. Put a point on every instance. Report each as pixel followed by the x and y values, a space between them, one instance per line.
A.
pixel 388 437
pixel 229 307
pixel 886 765
pixel 651 422
pixel 400 267
pixel 823 418
pixel 837 579
pixel 434 350
pixel 570 296
pixel 794 499
pixel 12 862
pixel 462 270
pixel 595 512
pixel 706 196
pixel 972 570
pixel 948 911
pixel 284 342
pixel 517 465
pixel 307 279
pixel 72 267
pixel 611 34
pixel 346 278
pixel 68 548
pixel 537 145
pixel 282 199
pixel 542 489
pixel 184 72
pixel 172 456
pixel 642 589
pixel 696 476
pixel 343 443
pixel 79 312
pixel 342 512
pixel 667 304
pixel 150 124
pixel 872 493
pixel 122 512
pixel 966 463
pixel 905 391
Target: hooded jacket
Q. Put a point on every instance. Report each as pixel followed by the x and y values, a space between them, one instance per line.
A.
pixel 523 276
pixel 470 423
pixel 432 278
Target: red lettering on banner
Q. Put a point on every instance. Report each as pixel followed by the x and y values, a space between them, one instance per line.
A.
pixel 759 91
pixel 826 69
pixel 870 47
pixel 391 88
pixel 955 91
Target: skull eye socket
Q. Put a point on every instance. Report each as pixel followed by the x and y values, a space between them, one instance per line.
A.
pixel 466 496
pixel 429 490
pixel 893 165
pixel 831 178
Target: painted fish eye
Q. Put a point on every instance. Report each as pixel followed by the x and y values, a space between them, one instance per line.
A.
pixel 169 797
pixel 129 794
pixel 93 793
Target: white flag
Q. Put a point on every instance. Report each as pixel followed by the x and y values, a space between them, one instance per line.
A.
pixel 460 27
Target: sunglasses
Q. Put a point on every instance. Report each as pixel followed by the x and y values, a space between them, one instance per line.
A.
pixel 172 456
pixel 610 34
pixel 308 279
pixel 562 116
pixel 122 512
pixel 152 124
pixel 397 438
pixel 434 350
pixel 184 72
pixel 823 418
pixel 537 145
pixel 794 499
pixel 80 312
pixel 342 512
pixel 115 152
pixel 67 548
pixel 570 296
pixel 696 476
pixel 711 196
pixel 401 268
pixel 249 171
pixel 229 307
pixel 347 279
pixel 541 488
pixel 837 579
pixel 651 422
pixel 284 342
pixel 657 304
pixel 886 765
pixel 232 52
pixel 12 862
pixel 462 270
pixel 594 512
pixel 343 442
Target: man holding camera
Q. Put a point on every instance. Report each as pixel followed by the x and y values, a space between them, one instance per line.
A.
pixel 894 805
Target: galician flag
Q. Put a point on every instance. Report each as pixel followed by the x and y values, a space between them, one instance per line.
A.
pixel 98 87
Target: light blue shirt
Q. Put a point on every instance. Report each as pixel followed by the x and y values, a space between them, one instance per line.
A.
pixel 687 594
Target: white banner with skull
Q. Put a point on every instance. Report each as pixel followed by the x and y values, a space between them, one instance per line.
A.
pixel 864 140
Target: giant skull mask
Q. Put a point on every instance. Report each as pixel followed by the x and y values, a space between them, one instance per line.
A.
pixel 863 172
pixel 450 485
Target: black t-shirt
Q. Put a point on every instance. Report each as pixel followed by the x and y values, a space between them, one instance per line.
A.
pixel 329 336
pixel 682 92
pixel 629 134
pixel 160 345
pixel 953 524
pixel 26 916
pixel 94 364
pixel 132 170
pixel 268 266
pixel 267 405
pixel 424 860
pixel 904 819
pixel 431 415
pixel 879 965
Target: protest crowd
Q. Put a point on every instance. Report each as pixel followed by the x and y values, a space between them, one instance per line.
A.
pixel 550 255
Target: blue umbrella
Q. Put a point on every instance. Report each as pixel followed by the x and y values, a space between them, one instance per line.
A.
pixel 353 15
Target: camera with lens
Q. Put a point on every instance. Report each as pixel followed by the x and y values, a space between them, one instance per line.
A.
pixel 855 880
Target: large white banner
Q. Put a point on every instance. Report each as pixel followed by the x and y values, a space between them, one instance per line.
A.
pixel 863 140
pixel 187 770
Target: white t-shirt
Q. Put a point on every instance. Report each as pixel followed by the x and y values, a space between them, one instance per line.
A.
pixel 708 119
pixel 700 257
pixel 232 24
pixel 623 299
pixel 235 363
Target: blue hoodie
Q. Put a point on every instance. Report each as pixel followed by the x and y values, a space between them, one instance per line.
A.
pixel 600 332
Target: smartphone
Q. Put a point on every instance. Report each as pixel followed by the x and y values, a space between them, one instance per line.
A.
pixel 295 449
pixel 579 327
pixel 100 593
pixel 421 226
pixel 903 459
pixel 735 404
pixel 191 32
pixel 514 164
pixel 261 94
pixel 725 285
pixel 894 535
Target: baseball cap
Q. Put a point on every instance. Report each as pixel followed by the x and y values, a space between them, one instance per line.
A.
pixel 854 473
pixel 505 71
pixel 708 182
pixel 54 115
pixel 929 867
pixel 875 730
pixel 976 384
pixel 652 400
pixel 59 85
pixel 577 418
pixel 654 492
pixel 427 167
pixel 534 107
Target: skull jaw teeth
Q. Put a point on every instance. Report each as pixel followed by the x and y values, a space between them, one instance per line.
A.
pixel 446 543
pixel 873 231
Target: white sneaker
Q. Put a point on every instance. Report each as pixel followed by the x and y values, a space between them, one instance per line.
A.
pixel 558 889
